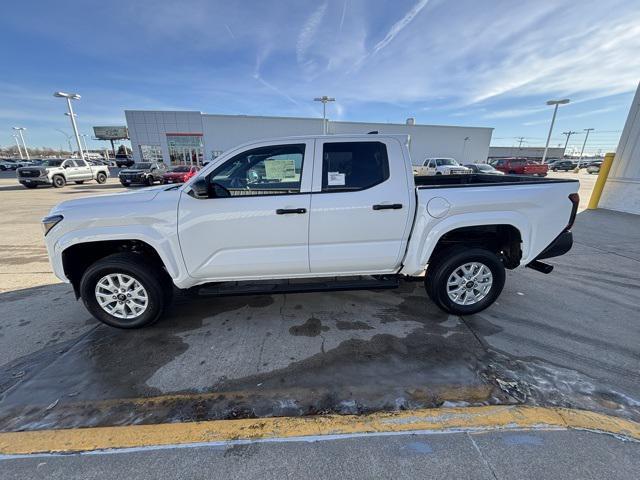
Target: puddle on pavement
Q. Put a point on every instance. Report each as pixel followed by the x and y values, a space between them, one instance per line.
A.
pixel 404 353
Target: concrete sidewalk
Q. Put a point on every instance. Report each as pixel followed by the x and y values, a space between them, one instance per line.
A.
pixel 492 455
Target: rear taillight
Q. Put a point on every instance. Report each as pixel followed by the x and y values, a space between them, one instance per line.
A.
pixel 575 200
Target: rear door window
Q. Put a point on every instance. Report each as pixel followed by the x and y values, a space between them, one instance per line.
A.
pixel 351 166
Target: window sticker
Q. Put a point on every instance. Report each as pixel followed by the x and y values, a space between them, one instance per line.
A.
pixel 335 179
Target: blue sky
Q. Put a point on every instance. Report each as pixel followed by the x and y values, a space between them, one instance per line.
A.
pixel 475 62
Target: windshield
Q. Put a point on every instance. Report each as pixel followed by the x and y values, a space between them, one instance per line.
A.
pixel 181 168
pixel 141 166
pixel 51 163
pixel 485 168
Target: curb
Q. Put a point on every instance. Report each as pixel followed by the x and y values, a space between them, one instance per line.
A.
pixel 425 420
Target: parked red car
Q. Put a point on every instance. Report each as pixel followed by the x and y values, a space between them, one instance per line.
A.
pixel 180 174
pixel 520 166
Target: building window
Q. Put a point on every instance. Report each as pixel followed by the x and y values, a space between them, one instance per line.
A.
pixel 185 149
pixel 151 153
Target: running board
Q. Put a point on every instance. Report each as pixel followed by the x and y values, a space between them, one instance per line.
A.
pixel 540 266
pixel 297 286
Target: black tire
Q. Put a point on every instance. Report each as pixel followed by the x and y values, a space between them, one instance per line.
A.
pixel 79 182
pixel 149 181
pixel 58 181
pixel 101 177
pixel 438 173
pixel 152 278
pixel 30 185
pixel 447 262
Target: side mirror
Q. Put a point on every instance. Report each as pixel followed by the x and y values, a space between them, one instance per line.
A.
pixel 218 191
pixel 200 188
pixel 65 166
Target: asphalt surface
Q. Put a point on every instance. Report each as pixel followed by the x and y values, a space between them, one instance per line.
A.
pixel 492 455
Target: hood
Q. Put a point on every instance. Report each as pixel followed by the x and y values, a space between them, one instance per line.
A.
pixel 175 174
pixel 134 170
pixel 116 200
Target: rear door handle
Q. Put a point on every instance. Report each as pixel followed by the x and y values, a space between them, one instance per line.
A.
pixel 388 206
pixel 287 211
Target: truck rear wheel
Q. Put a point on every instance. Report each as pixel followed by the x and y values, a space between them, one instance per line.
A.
pixel 58 181
pixel 464 281
pixel 124 291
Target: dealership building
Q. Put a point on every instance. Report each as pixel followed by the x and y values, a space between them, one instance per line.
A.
pixel 189 137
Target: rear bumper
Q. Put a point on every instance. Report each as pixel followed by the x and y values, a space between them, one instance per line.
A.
pixel 561 245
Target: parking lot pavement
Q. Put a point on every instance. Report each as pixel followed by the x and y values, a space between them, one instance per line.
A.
pixel 568 339
pixel 489 455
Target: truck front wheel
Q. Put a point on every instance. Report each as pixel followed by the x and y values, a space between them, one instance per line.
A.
pixel 124 291
pixel 58 181
pixel 464 281
pixel 101 178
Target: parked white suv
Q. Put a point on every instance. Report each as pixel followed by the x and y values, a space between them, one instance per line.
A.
pixel 310 209
pixel 440 166
pixel 59 172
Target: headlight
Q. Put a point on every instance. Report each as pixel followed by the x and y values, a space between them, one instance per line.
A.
pixel 49 222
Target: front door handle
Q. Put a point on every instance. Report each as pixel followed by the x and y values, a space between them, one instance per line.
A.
pixel 287 211
pixel 388 206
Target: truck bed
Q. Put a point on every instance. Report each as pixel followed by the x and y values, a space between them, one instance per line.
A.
pixel 480 180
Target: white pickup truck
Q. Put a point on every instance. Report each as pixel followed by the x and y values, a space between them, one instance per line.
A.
pixel 58 172
pixel 307 214
pixel 440 166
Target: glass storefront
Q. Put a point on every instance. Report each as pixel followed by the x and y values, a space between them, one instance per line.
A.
pixel 185 149
pixel 151 153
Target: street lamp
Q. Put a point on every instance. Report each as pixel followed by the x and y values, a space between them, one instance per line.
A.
pixel 20 130
pixel 84 139
pixel 69 97
pixel 553 119
pixel 324 99
pixel 588 130
pixel 68 137
pixel 568 134
pixel 18 144
pixel 464 149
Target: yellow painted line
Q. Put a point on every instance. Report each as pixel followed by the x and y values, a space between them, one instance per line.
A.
pixel 437 419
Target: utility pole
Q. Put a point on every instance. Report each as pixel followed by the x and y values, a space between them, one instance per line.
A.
pixel 520 140
pixel 588 130
pixel 568 134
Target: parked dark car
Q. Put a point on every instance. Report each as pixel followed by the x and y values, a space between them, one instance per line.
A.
pixel 564 165
pixel 483 168
pixel 146 173
pixel 123 160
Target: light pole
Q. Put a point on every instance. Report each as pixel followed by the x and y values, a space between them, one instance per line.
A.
pixel 553 119
pixel 568 134
pixel 20 130
pixel 18 144
pixel 69 97
pixel 84 139
pixel 68 139
pixel 577 170
pixel 324 99
pixel 464 149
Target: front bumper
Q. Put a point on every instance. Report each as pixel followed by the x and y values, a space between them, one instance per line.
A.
pixel 34 180
pixel 561 245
